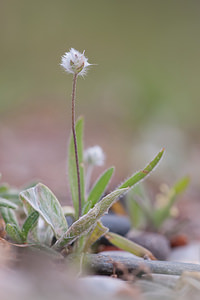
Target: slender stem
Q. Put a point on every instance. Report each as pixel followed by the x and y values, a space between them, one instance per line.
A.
pixel 75 142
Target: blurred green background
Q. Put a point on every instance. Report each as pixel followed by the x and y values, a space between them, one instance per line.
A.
pixel 142 94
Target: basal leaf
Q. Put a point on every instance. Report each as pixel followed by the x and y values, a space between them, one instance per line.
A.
pixel 72 172
pixel 84 224
pixel 29 224
pixel 9 216
pixel 99 188
pixel 44 201
pixel 43 233
pixel 130 182
pixel 7 203
pixel 12 195
pixel 14 233
pixel 127 245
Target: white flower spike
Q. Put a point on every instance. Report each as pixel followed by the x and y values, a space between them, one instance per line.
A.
pixel 94 156
pixel 75 62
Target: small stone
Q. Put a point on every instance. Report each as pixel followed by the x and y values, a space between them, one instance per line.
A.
pixel 70 220
pixel 154 242
pixel 107 287
pixel 117 224
pixel 189 253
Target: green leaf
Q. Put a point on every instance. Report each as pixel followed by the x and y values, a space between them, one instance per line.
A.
pixel 139 206
pixel 28 209
pixel 44 201
pixel 160 215
pixel 127 245
pixel 7 203
pixel 14 233
pixel 29 224
pixel 4 188
pixel 99 188
pixel 181 185
pixel 9 216
pixel 72 172
pixel 88 221
pixel 12 195
pixel 142 174
pixel 94 235
pixel 44 233
pixel 135 212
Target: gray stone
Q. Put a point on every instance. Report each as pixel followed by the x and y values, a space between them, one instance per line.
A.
pixel 154 242
pixel 188 253
pixel 117 224
pixel 104 286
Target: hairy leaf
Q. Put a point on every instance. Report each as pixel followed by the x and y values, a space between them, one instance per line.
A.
pixel 9 216
pixel 130 182
pixel 94 235
pixel 72 172
pixel 43 233
pixel 7 203
pixel 44 201
pixel 14 233
pixel 84 224
pixel 29 224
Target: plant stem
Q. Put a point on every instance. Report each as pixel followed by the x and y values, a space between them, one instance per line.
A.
pixel 75 141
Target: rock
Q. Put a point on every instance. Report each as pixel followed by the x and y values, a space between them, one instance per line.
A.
pixel 105 286
pixel 163 279
pixel 70 220
pixel 188 253
pixel 117 224
pixel 154 242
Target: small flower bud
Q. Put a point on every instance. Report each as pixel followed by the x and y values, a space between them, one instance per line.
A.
pixel 75 62
pixel 94 156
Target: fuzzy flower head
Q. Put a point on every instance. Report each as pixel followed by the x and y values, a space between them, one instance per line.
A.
pixel 94 156
pixel 75 62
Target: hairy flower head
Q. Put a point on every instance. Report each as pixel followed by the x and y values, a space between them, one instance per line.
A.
pixel 94 156
pixel 75 62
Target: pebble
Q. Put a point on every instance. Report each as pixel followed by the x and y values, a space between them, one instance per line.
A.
pixel 117 224
pixel 154 242
pixel 189 253
pixel 105 286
